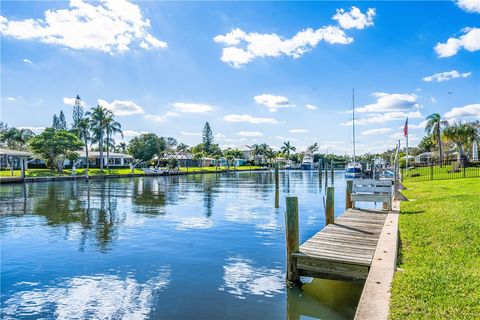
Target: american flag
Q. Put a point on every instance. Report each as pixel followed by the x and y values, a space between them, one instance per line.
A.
pixel 405 129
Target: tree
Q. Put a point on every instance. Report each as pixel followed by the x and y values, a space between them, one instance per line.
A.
pixel 427 143
pixel 462 135
pixel 207 138
pixel 61 121
pixel 146 146
pixel 55 122
pixel 170 143
pixel 111 127
pixel 54 145
pixel 77 115
pixel 98 121
pixel 16 139
pixel 83 132
pixel 286 148
pixel 122 146
pixel 434 127
pixel 270 154
pixel 313 148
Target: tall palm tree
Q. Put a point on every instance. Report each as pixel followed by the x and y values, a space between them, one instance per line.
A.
pixel 313 148
pixel 256 152
pixel 83 132
pixel 462 135
pixel 98 121
pixel 111 127
pixel 270 154
pixel 286 148
pixel 434 127
pixel 122 146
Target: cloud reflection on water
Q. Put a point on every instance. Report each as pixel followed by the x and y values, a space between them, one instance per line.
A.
pixel 241 277
pixel 93 297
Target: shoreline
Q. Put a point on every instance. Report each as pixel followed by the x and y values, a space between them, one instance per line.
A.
pixel 11 180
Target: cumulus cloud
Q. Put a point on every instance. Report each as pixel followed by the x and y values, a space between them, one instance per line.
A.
pixel 11 98
pixel 354 18
pixel 250 134
pixel 298 130
pixel 35 130
pixel 445 76
pixel 121 107
pixel 132 133
pixel 192 107
pixel 273 103
pixel 161 118
pixel 390 102
pixel 185 133
pixel 468 111
pixel 71 101
pixel 472 6
pixel 311 106
pixel 27 61
pixel 376 132
pixel 111 26
pixel 421 125
pixel 469 40
pixel 381 118
pixel 249 119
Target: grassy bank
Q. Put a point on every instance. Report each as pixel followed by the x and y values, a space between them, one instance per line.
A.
pixel 96 171
pixel 439 276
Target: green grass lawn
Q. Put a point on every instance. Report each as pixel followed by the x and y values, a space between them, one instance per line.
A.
pixel 425 173
pixel 96 171
pixel 440 253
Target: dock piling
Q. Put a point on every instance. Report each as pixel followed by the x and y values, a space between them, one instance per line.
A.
pixel 329 206
pixel 292 239
pixel 320 171
pixel 348 194
pixel 277 186
pixel 326 173
pixel 332 171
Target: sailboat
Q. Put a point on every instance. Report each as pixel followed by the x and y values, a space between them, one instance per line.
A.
pixel 353 169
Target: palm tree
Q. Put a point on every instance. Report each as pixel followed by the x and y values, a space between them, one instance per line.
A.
pixel 16 138
pixel 98 121
pixel 434 128
pixel 286 148
pixel 313 148
pixel 111 127
pixel 83 132
pixel 270 154
pixel 256 152
pixel 122 146
pixel 462 135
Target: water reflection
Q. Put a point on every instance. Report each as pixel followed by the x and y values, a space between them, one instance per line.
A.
pixel 241 278
pixel 99 296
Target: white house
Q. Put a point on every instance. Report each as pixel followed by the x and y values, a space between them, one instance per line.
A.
pixel 424 157
pixel 13 159
pixel 115 159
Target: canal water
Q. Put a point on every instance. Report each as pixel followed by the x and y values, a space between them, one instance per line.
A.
pixel 182 247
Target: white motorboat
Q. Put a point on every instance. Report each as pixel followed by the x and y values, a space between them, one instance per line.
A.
pixel 307 162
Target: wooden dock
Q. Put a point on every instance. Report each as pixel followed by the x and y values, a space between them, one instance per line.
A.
pixel 344 249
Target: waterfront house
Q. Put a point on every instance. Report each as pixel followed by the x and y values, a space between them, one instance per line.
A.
pixel 115 159
pixel 12 159
pixel 424 157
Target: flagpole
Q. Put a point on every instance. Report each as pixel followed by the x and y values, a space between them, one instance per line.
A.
pixel 406 136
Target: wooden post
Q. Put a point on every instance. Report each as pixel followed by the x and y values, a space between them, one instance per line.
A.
pixel 348 194
pixel 326 173
pixel 277 186
pixel 277 198
pixel 22 168
pixel 292 239
pixel 277 180
pixel 329 206
pixel 332 171
pixel 320 171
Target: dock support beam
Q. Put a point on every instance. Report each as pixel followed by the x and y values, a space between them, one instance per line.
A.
pixel 277 186
pixel 292 240
pixel 326 173
pixel 348 194
pixel 320 171
pixel 329 206
pixel 332 171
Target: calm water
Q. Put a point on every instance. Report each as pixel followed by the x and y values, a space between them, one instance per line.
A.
pixel 188 247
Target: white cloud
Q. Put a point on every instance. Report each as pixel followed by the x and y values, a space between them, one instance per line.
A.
pixel 311 106
pixel 249 119
pixel 470 41
pixel 273 103
pixel 121 107
pixel 421 125
pixel 35 130
pixel 185 133
pixel 285 138
pixel 132 133
pixel 381 118
pixel 472 6
pixel 11 98
pixel 71 101
pixel 111 26
pixel 27 61
pixel 192 107
pixel 161 118
pixel 468 111
pixel 387 102
pixel 354 18
pixel 243 47
pixel 376 132
pixel 445 76
pixel 250 134
pixel 298 130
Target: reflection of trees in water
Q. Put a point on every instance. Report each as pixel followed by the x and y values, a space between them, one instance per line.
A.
pixel 70 205
pixel 149 196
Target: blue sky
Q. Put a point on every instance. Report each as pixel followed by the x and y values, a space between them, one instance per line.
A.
pixel 258 72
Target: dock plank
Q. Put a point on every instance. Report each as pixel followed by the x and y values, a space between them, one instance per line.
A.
pixel 343 249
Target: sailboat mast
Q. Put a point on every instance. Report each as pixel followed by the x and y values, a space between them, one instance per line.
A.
pixel 353 121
